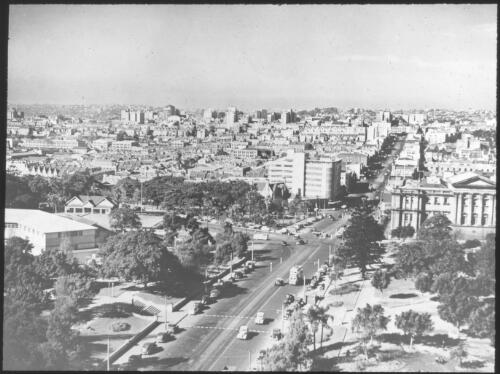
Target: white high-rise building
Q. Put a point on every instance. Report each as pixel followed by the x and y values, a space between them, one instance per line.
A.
pixel 308 178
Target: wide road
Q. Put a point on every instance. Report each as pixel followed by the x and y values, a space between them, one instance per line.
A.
pixel 208 340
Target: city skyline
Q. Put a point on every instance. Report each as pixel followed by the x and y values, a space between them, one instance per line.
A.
pixel 402 57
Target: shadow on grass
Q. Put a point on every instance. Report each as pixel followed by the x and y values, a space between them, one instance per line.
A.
pixel 437 340
pixel 251 334
pixel 267 321
pixel 113 310
pixel 403 295
pixel 324 364
pixel 91 338
pixel 333 347
pixel 164 362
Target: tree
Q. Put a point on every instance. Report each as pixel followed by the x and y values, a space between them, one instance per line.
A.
pixel 457 305
pixel 23 332
pixel 485 258
pixel 360 245
pixel 22 282
pixel 403 232
pixel 53 263
pixel 318 315
pixel 424 282
pixel 435 228
pixel 381 280
pixel 482 322
pixel 368 321
pixel 138 256
pixel 124 218
pixel 414 324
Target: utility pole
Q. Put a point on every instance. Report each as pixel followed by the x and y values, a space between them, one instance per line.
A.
pixel 141 198
pixel 107 366
pixel 252 250
pixel 282 317
pixel 249 360
pixel 270 267
pixel 318 264
pixel 165 312
pixel 304 278
pixel 329 251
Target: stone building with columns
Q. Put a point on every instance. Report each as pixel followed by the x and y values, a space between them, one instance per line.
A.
pixel 468 200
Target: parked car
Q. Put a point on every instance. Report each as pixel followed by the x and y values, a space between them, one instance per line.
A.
pixel 148 348
pixel 251 264
pixel 289 298
pixel 134 359
pixel 214 293
pixel 279 282
pixel 238 274
pixel 206 299
pixel 300 242
pixel 164 337
pixel 195 307
pixel 276 334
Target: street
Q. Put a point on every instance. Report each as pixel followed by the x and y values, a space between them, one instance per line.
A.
pixel 208 341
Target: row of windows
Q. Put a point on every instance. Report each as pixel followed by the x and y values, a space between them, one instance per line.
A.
pixel 69 234
pixel 474 219
pixel 86 210
pixel 11 225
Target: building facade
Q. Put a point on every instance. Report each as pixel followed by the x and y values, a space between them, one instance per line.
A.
pixel 48 231
pixel 468 200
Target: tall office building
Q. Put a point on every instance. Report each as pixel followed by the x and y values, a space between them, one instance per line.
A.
pixel 288 116
pixel 231 115
pixel 310 179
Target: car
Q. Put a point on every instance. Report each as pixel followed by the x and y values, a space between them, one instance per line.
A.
pixel 206 299
pixel 172 328
pixel 238 274
pixel 243 333
pixel 134 359
pixel 276 334
pixel 251 264
pixel 300 242
pixel 214 293
pixel 148 348
pixel 164 337
pixel 289 298
pixel 279 282
pixel 283 243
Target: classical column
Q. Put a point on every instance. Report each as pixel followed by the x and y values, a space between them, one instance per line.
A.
pixel 458 209
pixel 469 218
pixel 493 199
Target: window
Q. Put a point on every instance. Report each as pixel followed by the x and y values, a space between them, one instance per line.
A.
pixel 474 219
pixel 96 211
pixel 70 210
pixel 436 201
pixel 463 219
pixel 484 220
pixel 87 210
pixel 445 201
pixel 78 210
pixel 11 225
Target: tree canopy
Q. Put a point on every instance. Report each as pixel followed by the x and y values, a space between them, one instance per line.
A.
pixel 414 324
pixel 360 240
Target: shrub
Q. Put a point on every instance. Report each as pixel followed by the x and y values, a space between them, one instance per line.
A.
pixel 474 243
pixel 345 289
pixel 120 326
pixel 336 304
pixel 389 355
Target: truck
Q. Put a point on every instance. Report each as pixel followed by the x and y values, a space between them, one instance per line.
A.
pixel 194 307
pixel 243 332
pixel 260 236
pixel 259 319
pixel 296 275
pixel 340 232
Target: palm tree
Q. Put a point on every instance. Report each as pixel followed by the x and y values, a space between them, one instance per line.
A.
pixel 318 315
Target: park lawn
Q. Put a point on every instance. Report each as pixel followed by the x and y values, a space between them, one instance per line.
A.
pixel 401 296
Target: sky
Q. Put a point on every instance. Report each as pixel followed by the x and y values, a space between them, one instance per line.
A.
pixel 254 56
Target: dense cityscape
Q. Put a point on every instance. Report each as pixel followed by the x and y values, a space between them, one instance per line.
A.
pixel 146 237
